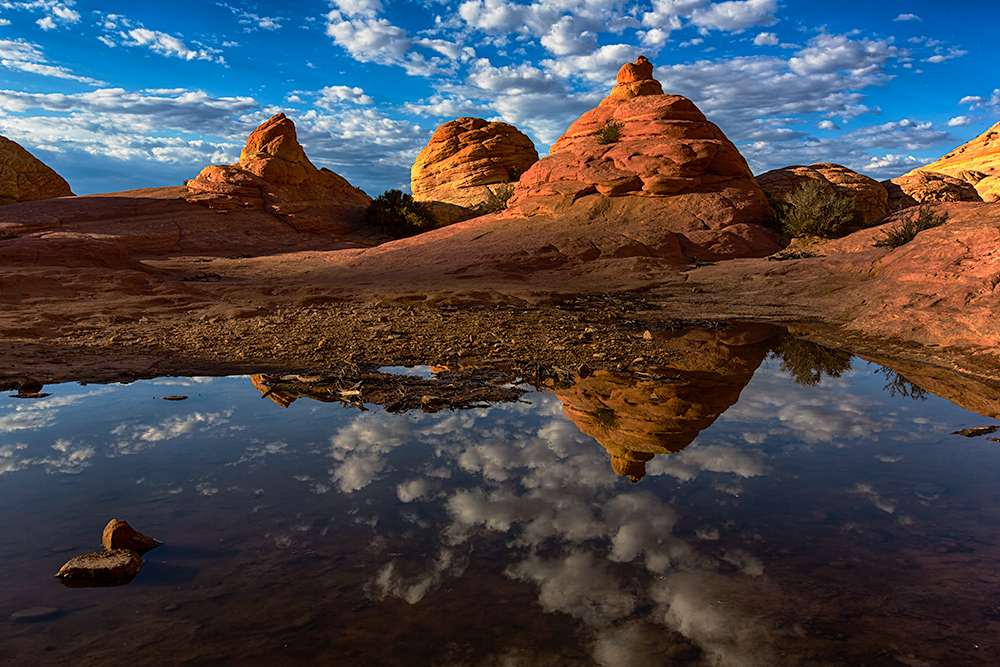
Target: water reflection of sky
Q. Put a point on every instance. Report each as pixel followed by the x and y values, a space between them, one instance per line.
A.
pixel 798 510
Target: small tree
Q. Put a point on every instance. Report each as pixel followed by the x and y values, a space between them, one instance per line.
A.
pixel 497 198
pixel 395 214
pixel 817 209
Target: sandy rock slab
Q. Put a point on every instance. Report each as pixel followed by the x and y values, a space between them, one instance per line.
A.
pixel 114 567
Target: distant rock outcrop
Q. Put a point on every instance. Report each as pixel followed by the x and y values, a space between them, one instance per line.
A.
pixel 466 159
pixel 23 177
pixel 653 165
pixel 976 162
pixel 927 186
pixel 869 195
pixel 275 175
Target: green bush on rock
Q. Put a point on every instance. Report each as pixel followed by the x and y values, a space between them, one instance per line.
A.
pixel 395 215
pixel 908 226
pixel 817 209
pixel 609 132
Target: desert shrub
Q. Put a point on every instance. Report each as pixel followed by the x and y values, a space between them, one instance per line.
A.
pixel 8 235
pixel 395 214
pixel 816 209
pixel 807 362
pixel 609 132
pixel 497 198
pixel 606 418
pixel 908 226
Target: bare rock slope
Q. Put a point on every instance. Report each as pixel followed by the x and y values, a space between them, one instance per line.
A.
pixel 976 162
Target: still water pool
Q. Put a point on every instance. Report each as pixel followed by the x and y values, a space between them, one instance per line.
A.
pixel 720 514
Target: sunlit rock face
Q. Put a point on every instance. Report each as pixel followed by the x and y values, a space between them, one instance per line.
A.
pixel 275 175
pixel 976 162
pixel 651 166
pixel 635 420
pixel 929 187
pixel 869 195
pixel 465 157
pixel 23 177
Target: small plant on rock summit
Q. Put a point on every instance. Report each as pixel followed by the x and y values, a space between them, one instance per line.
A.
pixel 907 228
pixel 395 214
pixel 817 209
pixel 610 132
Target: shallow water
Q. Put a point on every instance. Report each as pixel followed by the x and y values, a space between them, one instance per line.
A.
pixel 838 523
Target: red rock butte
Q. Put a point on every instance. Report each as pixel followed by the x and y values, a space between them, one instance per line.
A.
pixel 23 177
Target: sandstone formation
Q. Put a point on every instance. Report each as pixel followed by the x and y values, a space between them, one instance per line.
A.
pixel 976 162
pixel 467 159
pixel 919 187
pixel 651 167
pixel 118 534
pixel 23 177
pixel 103 568
pixel 869 195
pixel 275 175
pixel 635 420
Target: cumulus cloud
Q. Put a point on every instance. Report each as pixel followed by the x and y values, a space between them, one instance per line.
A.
pixel 335 94
pixel 827 125
pixel 907 17
pixel 961 121
pixel 977 102
pixel 766 39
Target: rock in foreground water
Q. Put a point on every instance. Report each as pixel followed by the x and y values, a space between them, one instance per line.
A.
pixel 119 535
pixel 113 567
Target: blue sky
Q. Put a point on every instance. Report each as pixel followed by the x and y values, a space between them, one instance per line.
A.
pixel 122 95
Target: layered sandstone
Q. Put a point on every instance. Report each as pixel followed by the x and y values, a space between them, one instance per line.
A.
pixel 275 175
pixel 653 165
pixel 976 162
pixel 23 177
pixel 870 196
pixel 927 186
pixel 467 159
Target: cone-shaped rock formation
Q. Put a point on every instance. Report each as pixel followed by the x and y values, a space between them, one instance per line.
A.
pixel 23 177
pixel 274 174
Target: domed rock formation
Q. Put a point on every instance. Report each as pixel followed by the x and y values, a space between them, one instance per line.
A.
pixel 275 175
pixel 927 186
pixel 869 195
pixel 23 177
pixel 654 164
pixel 976 162
pixel 636 420
pixel 465 157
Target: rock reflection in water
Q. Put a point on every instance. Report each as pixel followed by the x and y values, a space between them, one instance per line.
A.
pixel 636 419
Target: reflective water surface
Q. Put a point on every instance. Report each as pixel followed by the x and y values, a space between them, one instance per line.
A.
pixel 757 503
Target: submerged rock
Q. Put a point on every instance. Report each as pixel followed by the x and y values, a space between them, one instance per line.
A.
pixel 119 535
pixel 113 567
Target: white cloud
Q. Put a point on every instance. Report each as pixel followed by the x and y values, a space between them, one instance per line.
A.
pixel 961 121
pixel 735 15
pixel 169 45
pixel 26 57
pixel 335 94
pixel 766 39
pixel 907 17
pixel 949 55
pixel 827 125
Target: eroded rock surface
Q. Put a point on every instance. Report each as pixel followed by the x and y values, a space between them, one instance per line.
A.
pixel 23 177
pixel 870 196
pixel 275 175
pixel 468 157
pixel 976 162
pixel 930 187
